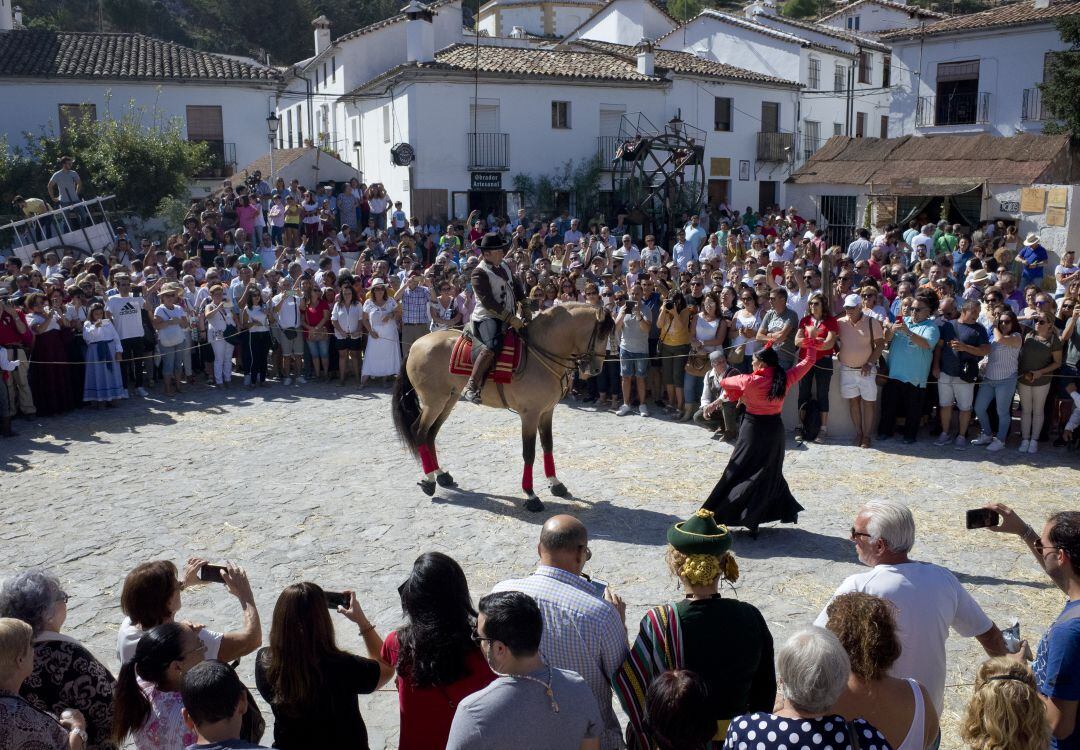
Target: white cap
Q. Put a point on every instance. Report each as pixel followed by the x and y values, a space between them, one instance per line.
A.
pixel 852 300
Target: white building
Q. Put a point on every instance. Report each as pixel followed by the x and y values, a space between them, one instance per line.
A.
pixel 977 73
pixel 873 17
pixel 552 19
pixel 48 79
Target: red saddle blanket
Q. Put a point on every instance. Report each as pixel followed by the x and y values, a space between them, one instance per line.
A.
pixel 506 364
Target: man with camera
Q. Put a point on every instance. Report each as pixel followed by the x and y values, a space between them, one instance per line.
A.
pixel 498 293
pixel 632 326
pixel 1057 657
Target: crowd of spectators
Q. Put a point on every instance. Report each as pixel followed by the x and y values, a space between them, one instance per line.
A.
pixel 543 661
pixel 948 329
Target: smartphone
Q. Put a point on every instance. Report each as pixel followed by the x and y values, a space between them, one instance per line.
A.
pixel 335 599
pixel 982 518
pixel 212 573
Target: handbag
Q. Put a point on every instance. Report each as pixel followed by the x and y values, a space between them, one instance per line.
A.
pixel 697 365
pixel 290 333
pixel 149 334
pixel 171 336
pixel 969 370
pixel 737 355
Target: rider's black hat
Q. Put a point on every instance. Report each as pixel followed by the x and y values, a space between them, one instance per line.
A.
pixel 492 241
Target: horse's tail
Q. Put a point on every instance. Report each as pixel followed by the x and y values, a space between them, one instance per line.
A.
pixel 406 409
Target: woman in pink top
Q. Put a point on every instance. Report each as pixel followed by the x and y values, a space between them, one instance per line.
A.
pixel 752 490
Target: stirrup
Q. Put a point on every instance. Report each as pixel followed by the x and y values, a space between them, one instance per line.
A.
pixel 471 392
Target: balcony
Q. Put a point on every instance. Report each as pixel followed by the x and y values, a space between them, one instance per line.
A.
pixel 606 146
pixel 222 161
pixel 775 147
pixel 953 109
pixel 489 151
pixel 1032 110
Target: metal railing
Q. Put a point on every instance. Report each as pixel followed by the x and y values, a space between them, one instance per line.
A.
pixel 489 150
pixel 606 146
pixel 1032 109
pixel 953 109
pixel 222 161
pixel 775 147
pixel 809 146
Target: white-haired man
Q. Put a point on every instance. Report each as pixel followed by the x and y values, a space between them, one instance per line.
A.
pixel 928 598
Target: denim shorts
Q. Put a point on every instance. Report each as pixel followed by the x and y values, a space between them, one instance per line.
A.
pixel 633 364
pixel 320 349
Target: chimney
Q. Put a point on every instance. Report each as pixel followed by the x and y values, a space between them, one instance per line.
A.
pixel 18 17
pixel 419 33
pixel 646 57
pixel 518 32
pixel 1042 4
pixel 322 34
pixel 7 18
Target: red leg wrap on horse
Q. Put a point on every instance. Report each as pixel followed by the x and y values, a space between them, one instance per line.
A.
pixel 526 478
pixel 427 459
pixel 549 464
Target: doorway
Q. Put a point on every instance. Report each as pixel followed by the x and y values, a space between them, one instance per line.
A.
pixel 766 195
pixel 488 202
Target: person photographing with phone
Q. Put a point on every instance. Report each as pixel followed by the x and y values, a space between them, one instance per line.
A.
pixel 151 597
pixel 310 683
pixel 1056 548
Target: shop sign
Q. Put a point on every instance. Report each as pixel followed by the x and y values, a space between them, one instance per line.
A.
pixel 487 180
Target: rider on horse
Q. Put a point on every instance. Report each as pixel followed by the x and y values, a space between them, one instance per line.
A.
pixel 498 294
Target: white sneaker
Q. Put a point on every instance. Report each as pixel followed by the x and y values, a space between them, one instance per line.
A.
pixel 995 446
pixel 142 392
pixel 623 410
pixel 943 439
pixel 1033 447
pixel 960 443
pixel 643 410
pixel 982 440
pixel 301 380
pixel 286 381
pixel 1023 446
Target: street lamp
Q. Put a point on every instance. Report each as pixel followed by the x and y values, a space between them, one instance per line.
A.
pixel 272 123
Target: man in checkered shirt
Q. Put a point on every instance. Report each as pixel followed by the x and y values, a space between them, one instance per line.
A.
pixel 414 296
pixel 584 621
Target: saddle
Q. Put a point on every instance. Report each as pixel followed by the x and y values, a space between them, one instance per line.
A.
pixel 510 362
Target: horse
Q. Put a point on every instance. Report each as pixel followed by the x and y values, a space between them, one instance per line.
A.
pixel 557 341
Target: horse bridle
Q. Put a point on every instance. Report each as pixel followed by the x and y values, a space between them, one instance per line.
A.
pixel 571 362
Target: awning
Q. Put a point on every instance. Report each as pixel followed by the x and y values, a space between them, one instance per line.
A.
pixel 929 187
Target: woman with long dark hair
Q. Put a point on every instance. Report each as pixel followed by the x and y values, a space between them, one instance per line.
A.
pixel 752 490
pixel 309 682
pixel 437 661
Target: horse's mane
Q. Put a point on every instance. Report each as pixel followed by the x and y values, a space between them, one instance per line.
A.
pixel 545 319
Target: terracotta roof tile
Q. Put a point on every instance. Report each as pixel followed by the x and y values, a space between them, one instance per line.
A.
pixel 432 6
pixel 64 54
pixel 542 63
pixel 1014 14
pixel 687 63
pixel 820 28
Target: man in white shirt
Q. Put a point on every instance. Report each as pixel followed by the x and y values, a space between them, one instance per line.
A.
pixel 928 598
pixel 573 234
pixel 695 235
pixel 288 331
pixel 924 239
pixel 683 253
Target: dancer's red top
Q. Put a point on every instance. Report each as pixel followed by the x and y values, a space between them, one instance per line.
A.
pixel 753 389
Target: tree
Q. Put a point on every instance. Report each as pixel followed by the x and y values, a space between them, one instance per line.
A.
pixel 800 8
pixel 1061 90
pixel 140 163
pixel 684 10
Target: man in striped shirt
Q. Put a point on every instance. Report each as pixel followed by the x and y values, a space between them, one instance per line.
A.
pixel 584 621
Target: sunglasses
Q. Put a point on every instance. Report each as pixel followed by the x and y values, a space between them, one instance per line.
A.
pixel 478 639
pixel 856 534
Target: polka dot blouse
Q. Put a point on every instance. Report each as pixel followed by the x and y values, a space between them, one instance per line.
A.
pixel 770 732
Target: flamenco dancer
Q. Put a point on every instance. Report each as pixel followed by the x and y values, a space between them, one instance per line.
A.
pixel 752 490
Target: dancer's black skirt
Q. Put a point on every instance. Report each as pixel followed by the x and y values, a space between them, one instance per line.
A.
pixel 752 490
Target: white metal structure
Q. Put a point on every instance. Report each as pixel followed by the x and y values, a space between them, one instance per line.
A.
pixel 80 229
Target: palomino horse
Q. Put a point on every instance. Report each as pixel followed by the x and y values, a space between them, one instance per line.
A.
pixel 558 340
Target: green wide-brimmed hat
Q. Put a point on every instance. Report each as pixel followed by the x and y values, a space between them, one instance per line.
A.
pixel 700 535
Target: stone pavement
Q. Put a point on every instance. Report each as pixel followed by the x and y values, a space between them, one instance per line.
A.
pixel 311 484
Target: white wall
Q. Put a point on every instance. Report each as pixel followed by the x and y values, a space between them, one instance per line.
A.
pixel 1054 239
pixel 243 108
pixel 626 22
pixel 874 18
pixel 1008 64
pixel 743 48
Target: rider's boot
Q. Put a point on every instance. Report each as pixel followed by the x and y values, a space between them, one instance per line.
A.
pixel 483 362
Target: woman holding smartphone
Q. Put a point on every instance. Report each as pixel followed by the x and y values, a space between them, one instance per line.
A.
pixel 348 317
pixel 255 319
pixel 218 317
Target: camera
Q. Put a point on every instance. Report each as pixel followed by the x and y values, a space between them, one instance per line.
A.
pixel 669 305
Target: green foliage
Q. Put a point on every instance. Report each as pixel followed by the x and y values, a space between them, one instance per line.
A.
pixel 172 211
pixel 581 180
pixel 19 175
pixel 684 10
pixel 801 8
pixel 1061 91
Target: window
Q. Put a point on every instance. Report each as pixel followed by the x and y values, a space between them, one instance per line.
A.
pixel 770 117
pixel 839 76
pixel 204 126
pixel 72 113
pixel 333 70
pixel 316 79
pixel 766 195
pixel 886 71
pixel 722 114
pixel 814 74
pixel 811 137
pixel 324 76
pixel 884 126
pixel 866 65
pixel 958 99
pixel 860 124
pixel 386 123
pixel 560 115
pixel 853 23
pixel 838 214
pixel 300 125
pixel 838 128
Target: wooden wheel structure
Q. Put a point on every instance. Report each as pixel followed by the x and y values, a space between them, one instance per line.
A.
pixel 658 174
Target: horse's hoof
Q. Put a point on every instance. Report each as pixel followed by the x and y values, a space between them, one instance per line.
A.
pixel 533 504
pixel 445 480
pixel 559 490
pixel 427 486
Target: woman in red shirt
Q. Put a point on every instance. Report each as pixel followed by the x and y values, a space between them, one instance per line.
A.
pixel 437 662
pixel 752 490
pixel 820 327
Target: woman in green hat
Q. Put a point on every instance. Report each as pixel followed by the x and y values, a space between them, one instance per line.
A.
pixel 724 641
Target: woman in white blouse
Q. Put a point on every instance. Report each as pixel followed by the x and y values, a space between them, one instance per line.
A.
pixel 103 384
pixel 348 319
pixel 171 322
pixel 218 316
pixel 382 357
